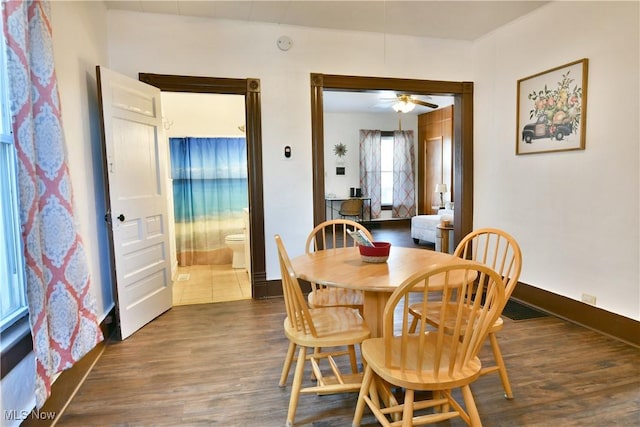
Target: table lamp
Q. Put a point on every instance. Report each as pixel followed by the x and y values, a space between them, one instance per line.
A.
pixel 441 188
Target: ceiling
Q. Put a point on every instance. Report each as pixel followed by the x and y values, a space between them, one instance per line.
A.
pixel 452 19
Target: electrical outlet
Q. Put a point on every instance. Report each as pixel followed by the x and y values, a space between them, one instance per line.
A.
pixel 589 299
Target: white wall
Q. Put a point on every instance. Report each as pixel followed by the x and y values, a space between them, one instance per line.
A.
pixel 206 115
pixel 345 128
pixel 190 46
pixel 75 60
pixel 79 44
pixel 575 214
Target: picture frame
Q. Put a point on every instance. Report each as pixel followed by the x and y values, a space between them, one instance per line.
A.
pixel 552 109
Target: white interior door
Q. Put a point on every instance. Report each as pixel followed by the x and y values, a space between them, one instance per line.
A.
pixel 136 162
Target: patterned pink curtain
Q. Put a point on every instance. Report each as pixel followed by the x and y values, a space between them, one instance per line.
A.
pixel 370 169
pixel 404 200
pixel 61 310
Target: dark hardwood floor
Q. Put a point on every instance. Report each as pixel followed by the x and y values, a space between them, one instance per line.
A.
pixel 219 365
pixel 397 232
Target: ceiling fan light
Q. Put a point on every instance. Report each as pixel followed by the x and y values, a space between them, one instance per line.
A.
pixel 403 106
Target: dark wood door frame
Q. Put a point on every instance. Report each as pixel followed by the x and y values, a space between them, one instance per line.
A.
pixel 462 93
pixel 250 89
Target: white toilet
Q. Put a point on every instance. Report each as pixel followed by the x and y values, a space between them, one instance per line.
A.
pixel 236 243
pixel 239 244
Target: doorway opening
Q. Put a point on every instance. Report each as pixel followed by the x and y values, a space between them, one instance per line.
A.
pixel 462 93
pixel 250 90
pixel 208 196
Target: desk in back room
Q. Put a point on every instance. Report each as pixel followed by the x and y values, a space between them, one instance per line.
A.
pixel 333 204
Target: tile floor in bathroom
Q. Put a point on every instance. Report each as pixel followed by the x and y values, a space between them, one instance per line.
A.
pixel 202 284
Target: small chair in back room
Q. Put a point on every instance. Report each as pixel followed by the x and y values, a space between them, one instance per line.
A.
pixel 351 208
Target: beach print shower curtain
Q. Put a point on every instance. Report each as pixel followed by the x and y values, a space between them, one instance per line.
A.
pixel 210 190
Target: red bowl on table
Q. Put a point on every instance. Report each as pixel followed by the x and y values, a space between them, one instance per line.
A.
pixel 379 252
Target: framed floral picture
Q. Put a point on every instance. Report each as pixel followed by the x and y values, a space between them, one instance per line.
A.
pixel 552 109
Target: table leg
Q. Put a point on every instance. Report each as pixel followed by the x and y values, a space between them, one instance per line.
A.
pixel 373 309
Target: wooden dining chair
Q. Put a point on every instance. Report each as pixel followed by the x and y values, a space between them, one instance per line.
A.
pixel 501 252
pixel 327 235
pixel 434 359
pixel 337 330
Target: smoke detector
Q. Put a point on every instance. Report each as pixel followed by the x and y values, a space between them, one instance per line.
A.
pixel 284 43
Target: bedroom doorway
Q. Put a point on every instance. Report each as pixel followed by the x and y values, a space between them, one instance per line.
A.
pixel 462 92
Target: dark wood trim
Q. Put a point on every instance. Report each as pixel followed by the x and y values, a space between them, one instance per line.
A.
pixel 597 319
pixel 69 381
pixel 366 84
pixel 268 289
pixel 250 89
pixel 462 137
pixel 196 84
pixel 463 162
pixel 107 192
pixel 317 148
pixel 13 354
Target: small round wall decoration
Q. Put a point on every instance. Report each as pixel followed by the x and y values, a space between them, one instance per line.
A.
pixel 340 150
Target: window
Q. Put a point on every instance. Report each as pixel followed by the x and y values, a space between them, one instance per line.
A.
pixel 386 170
pixel 13 305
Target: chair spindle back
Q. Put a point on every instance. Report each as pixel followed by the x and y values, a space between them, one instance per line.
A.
pixel 495 249
pixel 448 348
pixel 295 303
pixel 333 234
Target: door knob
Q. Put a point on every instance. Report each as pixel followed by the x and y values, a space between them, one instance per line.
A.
pixel 121 217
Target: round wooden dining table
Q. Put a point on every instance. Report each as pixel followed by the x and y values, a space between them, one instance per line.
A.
pixel 344 268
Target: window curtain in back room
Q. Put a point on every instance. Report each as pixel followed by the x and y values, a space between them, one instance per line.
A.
pixel 404 201
pixel 370 169
pixel 210 190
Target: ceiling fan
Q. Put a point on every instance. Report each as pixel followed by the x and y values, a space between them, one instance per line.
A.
pixel 405 103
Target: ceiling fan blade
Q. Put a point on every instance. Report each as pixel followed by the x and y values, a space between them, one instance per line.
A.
pixel 414 100
pixel 424 103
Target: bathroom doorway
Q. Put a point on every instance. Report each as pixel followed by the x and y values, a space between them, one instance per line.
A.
pixel 209 196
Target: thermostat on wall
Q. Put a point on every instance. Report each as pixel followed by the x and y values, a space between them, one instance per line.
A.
pixel 284 43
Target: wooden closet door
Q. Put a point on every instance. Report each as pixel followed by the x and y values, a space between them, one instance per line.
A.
pixel 435 156
pixel 447 150
pixel 433 172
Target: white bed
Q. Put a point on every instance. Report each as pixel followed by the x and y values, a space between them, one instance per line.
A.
pixel 423 227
